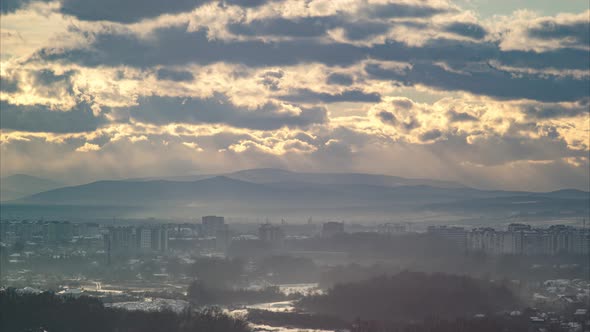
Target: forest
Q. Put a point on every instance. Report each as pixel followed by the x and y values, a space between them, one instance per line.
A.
pixel 412 296
pixel 52 313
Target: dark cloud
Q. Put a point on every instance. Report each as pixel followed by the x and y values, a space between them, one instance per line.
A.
pixel 362 30
pixel 309 96
pixel 387 117
pixel 314 26
pixel 298 27
pixel 462 52
pixel 219 109
pixel 340 79
pixel 45 77
pixel 39 118
pixel 411 124
pixel 130 11
pixel 577 32
pixel 10 6
pixel 553 111
pixel 8 84
pixel 563 58
pixel 455 116
pixel 177 46
pixel 404 104
pixel 174 75
pixel 471 30
pixel 398 10
pixel 430 135
pixel 248 3
pixel 490 82
pixel 272 79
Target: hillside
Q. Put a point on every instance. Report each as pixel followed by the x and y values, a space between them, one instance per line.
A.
pixel 273 193
pixel 275 175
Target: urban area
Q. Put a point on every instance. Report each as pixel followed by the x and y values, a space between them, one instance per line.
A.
pixel 278 276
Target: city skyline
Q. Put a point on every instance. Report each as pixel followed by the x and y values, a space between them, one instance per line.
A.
pixel 491 95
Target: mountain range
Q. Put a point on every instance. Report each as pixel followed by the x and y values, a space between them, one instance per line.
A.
pixel 279 192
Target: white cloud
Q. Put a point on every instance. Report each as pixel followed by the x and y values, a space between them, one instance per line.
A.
pixel 88 147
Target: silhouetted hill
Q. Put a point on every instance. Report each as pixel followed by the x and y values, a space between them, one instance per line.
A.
pixel 573 203
pixel 285 193
pixel 567 194
pixel 271 175
pixel 225 190
pixel 142 193
pixel 276 175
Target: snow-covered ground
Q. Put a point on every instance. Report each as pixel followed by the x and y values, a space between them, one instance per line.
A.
pixel 154 304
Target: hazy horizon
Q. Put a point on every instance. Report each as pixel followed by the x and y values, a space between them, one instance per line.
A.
pixel 62 181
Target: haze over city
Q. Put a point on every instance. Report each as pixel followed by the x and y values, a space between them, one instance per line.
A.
pixel 295 165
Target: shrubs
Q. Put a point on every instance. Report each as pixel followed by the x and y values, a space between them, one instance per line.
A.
pixel 411 296
pixel 52 313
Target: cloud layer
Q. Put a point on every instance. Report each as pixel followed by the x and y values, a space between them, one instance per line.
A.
pixel 403 87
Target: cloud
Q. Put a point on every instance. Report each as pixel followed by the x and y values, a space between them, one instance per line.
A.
pixel 297 27
pixel 526 31
pixel 218 109
pixel 553 110
pixel 477 153
pixel 48 77
pixel 10 6
pixel 340 79
pixel 39 85
pixel 178 45
pixel 88 147
pixel 174 75
pixel 430 135
pixel 193 146
pixel 471 30
pixel 125 11
pixel 314 26
pixel 272 79
pixel 387 117
pixel 398 10
pixel 131 11
pixel 400 113
pixel 8 84
pixel 455 116
pixel 487 81
pixel 309 96
pixel 574 33
pixel 39 118
pixel 413 88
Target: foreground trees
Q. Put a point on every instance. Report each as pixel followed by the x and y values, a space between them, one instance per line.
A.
pixel 52 313
pixel 412 296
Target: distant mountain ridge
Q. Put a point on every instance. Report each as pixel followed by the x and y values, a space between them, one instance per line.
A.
pixel 271 192
pixel 274 175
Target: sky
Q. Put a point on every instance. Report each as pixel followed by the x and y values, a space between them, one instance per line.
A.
pixel 492 94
